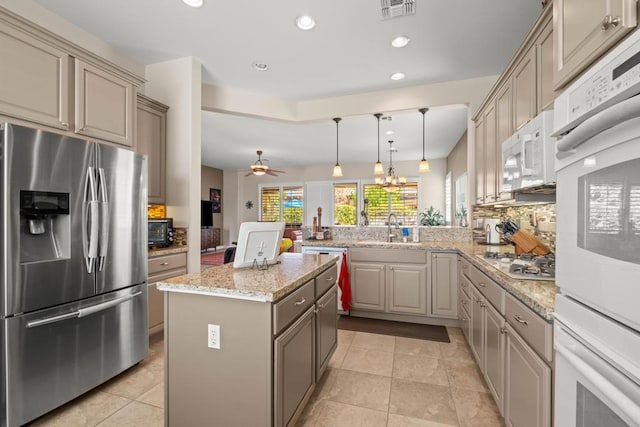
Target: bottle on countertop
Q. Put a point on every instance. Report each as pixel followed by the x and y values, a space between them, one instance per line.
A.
pixel 416 234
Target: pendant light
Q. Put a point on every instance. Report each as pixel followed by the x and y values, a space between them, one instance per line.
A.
pixel 424 164
pixel 337 170
pixel 378 169
pixel 391 182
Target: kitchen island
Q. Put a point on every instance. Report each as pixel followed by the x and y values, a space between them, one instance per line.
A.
pixel 244 346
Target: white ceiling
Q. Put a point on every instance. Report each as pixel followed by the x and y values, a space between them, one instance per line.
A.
pixel 348 52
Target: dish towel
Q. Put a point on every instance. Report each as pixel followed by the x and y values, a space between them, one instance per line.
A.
pixel 343 284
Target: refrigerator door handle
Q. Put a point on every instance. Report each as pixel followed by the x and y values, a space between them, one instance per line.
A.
pixel 52 319
pixel 90 215
pixel 104 218
pixel 83 312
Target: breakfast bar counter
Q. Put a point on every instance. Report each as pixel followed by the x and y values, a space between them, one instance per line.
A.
pixel 246 346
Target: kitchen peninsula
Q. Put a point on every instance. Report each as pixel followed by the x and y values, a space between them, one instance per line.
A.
pixel 246 346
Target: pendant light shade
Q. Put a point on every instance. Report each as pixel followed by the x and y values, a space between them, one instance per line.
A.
pixel 337 170
pixel 378 169
pixel 424 164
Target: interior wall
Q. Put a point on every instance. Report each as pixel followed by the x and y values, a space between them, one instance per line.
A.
pixel 178 83
pixel 213 178
pixel 457 165
pixel 240 189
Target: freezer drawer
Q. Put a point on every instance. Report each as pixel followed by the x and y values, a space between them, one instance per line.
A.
pixel 54 355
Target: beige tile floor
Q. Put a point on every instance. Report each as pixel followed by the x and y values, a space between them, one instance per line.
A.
pixel 372 380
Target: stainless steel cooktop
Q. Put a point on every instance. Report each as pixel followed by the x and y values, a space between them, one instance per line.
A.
pixel 525 266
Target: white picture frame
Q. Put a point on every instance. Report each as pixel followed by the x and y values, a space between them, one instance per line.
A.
pixel 258 242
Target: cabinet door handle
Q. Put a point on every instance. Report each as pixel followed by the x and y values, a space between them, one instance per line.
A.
pixel 482 285
pixel 330 279
pixel 164 263
pixel 503 330
pixel 609 21
pixel 482 304
pixel 65 124
pixel 520 319
pixel 463 302
pixel 302 301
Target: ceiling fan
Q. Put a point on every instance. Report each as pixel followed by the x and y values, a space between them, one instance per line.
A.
pixel 259 168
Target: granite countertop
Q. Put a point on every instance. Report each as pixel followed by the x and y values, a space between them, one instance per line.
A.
pixel 173 249
pixel 538 295
pixel 293 271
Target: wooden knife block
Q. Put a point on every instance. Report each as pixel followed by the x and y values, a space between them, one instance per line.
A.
pixel 528 243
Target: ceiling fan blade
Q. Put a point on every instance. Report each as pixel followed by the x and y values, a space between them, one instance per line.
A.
pixel 270 172
pixel 276 170
pixel 250 173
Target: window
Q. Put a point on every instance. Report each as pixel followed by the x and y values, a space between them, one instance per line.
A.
pixel 345 202
pixel 403 203
pixel 282 203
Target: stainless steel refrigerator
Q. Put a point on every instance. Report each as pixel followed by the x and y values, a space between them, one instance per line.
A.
pixel 73 268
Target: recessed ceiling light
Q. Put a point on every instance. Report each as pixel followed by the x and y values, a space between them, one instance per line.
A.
pixel 389 132
pixel 260 66
pixel 397 76
pixel 400 41
pixel 305 22
pixel 193 3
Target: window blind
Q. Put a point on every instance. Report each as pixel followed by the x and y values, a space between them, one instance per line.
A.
pixel 403 203
pixel 270 204
pixel 447 199
pixel 345 204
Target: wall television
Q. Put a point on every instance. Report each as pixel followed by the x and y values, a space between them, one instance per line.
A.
pixel 206 213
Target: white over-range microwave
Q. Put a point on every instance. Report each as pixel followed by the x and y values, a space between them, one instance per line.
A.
pixel 528 156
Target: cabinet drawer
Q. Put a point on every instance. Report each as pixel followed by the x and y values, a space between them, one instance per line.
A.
pixel 465 302
pixel 531 327
pixel 289 308
pixel 167 262
pixel 490 289
pixel 465 285
pixel 326 279
pixel 388 255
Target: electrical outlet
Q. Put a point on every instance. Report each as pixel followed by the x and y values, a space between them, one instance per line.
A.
pixel 213 336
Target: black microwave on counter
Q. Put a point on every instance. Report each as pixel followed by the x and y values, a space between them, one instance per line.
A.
pixel 160 232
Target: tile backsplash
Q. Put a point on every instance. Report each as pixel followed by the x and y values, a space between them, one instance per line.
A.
pixel 522 216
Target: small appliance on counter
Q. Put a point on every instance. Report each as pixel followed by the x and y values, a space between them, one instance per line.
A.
pixel 491 237
pixel 159 232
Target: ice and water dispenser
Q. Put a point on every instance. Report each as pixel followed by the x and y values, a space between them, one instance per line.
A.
pixel 44 226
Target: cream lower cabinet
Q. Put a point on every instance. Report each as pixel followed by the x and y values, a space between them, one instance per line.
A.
pixel 443 285
pixel 294 367
pixel 326 329
pixel 514 357
pixel 161 268
pixel 367 286
pixel 527 386
pixel 389 280
pixel 406 290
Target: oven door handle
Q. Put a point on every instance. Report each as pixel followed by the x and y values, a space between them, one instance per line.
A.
pixel 622 403
pixel 612 116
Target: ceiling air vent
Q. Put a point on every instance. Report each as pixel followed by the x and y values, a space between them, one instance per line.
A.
pixel 397 8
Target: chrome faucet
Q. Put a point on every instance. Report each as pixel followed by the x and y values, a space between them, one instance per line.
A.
pixel 389 235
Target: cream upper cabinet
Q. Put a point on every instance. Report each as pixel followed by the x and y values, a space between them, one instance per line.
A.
pixel 34 79
pixel 524 89
pixel 151 140
pixel 504 123
pixel 544 76
pixel 490 153
pixel 479 159
pixel 585 29
pixel 104 105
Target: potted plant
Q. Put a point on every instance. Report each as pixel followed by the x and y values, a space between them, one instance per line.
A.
pixel 431 216
pixel 462 214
